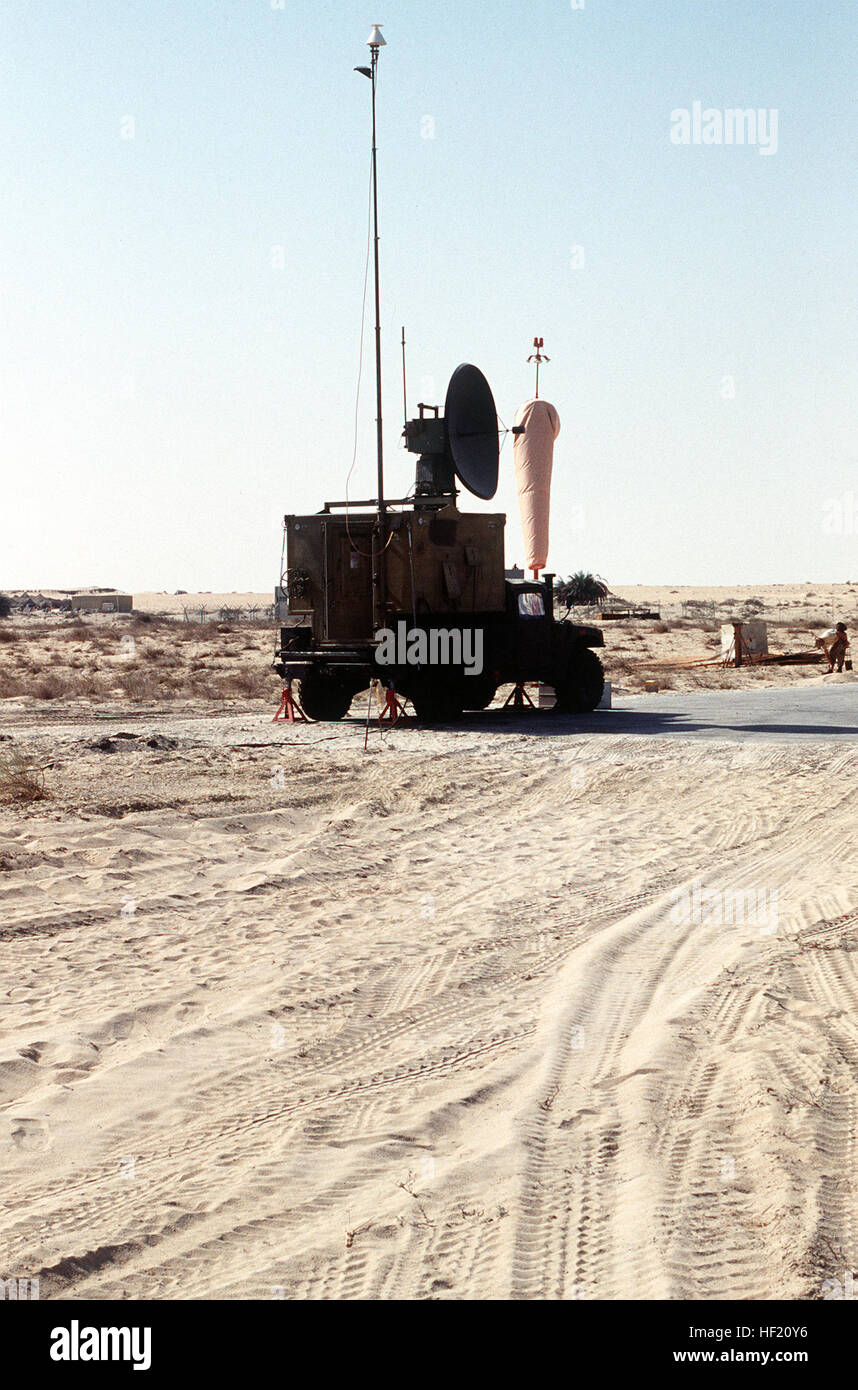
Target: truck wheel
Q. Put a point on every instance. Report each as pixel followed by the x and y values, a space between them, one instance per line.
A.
pixel 582 685
pixel 325 699
pixel 437 704
pixel 479 691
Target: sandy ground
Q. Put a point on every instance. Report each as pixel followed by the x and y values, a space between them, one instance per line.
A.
pixel 823 598
pixel 472 1014
pixel 479 1012
pixel 823 601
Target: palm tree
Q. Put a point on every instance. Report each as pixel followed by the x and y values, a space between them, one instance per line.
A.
pixel 582 589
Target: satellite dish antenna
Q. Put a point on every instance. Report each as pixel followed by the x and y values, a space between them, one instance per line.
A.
pixel 472 431
pixel 463 444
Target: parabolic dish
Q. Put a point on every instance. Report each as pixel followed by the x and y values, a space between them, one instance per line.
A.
pixel 472 431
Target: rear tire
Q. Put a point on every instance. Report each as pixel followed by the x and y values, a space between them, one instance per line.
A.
pixel 437 704
pixel 582 685
pixel 479 691
pixel 325 699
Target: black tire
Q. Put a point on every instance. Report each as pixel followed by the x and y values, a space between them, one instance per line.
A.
pixel 435 703
pixel 324 698
pixel 479 691
pixel 582 685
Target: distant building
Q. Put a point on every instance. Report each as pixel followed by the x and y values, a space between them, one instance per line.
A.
pixel 102 603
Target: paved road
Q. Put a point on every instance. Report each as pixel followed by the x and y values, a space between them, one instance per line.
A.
pixel 791 713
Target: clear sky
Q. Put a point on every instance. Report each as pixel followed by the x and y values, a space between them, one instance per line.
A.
pixel 182 247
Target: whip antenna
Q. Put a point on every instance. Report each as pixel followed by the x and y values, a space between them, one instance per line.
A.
pixel 375 43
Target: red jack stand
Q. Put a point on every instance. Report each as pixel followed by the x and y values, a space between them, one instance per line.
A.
pixel 517 699
pixel 394 709
pixel 290 707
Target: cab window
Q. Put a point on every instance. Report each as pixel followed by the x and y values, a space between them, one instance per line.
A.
pixel 531 606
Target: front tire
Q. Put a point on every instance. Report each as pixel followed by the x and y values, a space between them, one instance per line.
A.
pixel 582 684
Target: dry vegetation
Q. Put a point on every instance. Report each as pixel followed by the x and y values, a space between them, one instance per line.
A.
pixel 106 660
pixel 154 658
pixel 22 778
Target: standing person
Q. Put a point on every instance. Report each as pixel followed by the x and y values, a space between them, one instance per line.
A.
pixel 836 653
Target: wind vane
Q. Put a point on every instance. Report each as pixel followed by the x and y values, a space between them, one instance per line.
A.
pixel 538 357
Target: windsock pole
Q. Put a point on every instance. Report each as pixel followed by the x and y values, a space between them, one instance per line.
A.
pixel 538 357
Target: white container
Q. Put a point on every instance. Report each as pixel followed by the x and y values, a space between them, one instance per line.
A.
pixel 755 639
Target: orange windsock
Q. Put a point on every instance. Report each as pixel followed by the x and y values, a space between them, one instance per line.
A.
pixel 534 460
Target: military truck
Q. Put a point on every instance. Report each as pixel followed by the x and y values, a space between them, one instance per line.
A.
pixel 414 593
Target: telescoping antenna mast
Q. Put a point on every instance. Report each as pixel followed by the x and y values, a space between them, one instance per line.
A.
pixel 375 43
